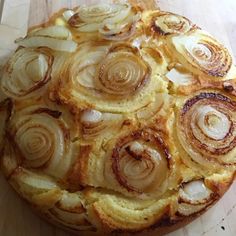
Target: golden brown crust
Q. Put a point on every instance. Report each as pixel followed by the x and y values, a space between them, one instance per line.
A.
pixel 119 119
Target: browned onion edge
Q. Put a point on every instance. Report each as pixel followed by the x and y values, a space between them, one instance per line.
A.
pixel 47 52
pixel 73 22
pixel 215 97
pixel 136 52
pixel 147 136
pixel 204 201
pixel 206 95
pixel 158 30
pixel 54 114
pixel 216 72
pixel 123 35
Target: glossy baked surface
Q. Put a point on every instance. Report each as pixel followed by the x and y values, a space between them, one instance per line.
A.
pixel 122 128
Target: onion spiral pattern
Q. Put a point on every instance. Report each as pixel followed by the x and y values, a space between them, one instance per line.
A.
pixel 42 140
pixel 114 119
pixel 113 75
pixel 140 162
pixel 166 23
pixel 207 128
pixel 122 73
pixel 27 71
pixel 112 21
pixel 203 54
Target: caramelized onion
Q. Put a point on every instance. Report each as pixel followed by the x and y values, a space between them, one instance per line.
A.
pixel 113 21
pixel 203 53
pixel 207 128
pixel 195 192
pixel 140 162
pixel 27 71
pixel 194 196
pixel 98 13
pixel 166 23
pixel 122 73
pixel 42 140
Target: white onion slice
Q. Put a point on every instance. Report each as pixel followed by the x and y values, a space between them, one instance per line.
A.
pixel 68 14
pixel 213 123
pixel 179 78
pixel 136 147
pixel 91 116
pixel 30 182
pixel 56 31
pixel 199 51
pixel 195 192
pixel 55 44
pixel 113 21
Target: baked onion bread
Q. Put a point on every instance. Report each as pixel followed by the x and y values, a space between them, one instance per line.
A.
pixel 116 119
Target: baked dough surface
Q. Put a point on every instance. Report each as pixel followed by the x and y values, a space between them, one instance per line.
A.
pixel 118 119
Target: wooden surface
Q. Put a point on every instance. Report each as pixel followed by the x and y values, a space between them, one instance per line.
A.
pixel 217 17
pixel 14 23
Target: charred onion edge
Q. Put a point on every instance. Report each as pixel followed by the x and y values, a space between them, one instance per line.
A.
pixel 215 97
pixel 204 201
pixel 158 30
pixel 147 136
pixel 222 69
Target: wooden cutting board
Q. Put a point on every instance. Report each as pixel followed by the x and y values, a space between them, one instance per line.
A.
pixel 217 17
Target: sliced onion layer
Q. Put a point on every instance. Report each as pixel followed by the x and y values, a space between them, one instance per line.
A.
pixel 194 197
pixel 166 23
pixel 55 31
pixel 207 129
pixel 119 74
pixel 180 77
pixel 94 122
pixel 122 73
pixel 195 192
pixel 53 43
pixel 140 162
pixel 202 54
pixel 27 71
pixel 70 212
pixel 42 140
pixel 113 21
pixel 38 189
